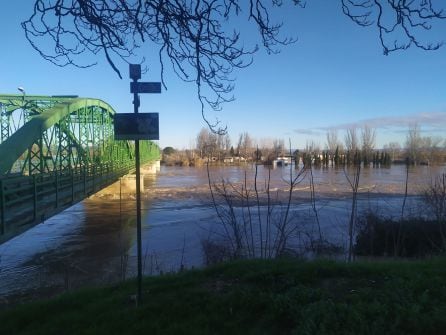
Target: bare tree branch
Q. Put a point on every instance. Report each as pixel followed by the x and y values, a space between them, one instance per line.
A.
pixel 197 37
pixel 194 36
pixel 400 23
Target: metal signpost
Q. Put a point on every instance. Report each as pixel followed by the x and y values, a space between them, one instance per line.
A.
pixel 137 127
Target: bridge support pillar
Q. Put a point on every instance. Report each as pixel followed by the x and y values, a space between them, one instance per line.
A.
pixel 151 168
pixel 126 184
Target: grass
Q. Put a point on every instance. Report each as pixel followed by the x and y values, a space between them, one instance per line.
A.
pixel 254 297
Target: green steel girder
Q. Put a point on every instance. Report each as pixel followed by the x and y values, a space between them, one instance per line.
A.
pixel 4 123
pixel 61 150
pixel 25 137
pixel 60 133
pixel 31 105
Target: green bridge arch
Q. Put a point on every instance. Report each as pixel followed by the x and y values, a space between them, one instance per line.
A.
pixel 54 152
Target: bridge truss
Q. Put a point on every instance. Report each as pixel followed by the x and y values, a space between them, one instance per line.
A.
pixel 54 152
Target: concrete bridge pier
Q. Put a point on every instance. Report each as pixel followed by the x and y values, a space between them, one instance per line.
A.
pixel 127 183
pixel 151 168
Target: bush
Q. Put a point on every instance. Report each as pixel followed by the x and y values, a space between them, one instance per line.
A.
pixel 378 236
pixel 435 198
pixel 215 252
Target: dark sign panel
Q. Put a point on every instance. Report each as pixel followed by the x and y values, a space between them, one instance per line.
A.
pixel 131 126
pixel 135 71
pixel 145 87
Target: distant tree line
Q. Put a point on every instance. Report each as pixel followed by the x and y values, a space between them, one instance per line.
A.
pixel 346 158
pixel 360 149
pixel 357 147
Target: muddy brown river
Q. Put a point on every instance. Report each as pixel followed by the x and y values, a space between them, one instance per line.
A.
pixel 93 242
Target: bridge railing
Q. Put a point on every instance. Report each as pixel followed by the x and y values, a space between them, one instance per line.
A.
pixel 28 200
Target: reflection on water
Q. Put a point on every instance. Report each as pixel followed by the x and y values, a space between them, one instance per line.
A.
pixel 94 241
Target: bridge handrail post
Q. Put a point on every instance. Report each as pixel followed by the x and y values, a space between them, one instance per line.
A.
pixel 2 207
pixel 57 187
pixel 34 197
pixel 101 178
pixel 84 168
pixel 94 177
pixel 72 184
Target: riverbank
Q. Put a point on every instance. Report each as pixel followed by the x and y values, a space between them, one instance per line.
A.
pixel 254 297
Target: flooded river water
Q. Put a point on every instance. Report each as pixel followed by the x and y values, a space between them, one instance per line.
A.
pixel 93 242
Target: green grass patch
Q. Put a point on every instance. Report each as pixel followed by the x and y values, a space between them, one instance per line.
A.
pixel 254 297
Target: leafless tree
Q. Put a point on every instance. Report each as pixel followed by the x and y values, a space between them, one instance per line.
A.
pixel 422 149
pixel 399 234
pixel 351 140
pixel 206 143
pixel 400 24
pixel 210 144
pixel 430 148
pixel 254 223
pixel 312 147
pixel 245 146
pixel 223 145
pixel 191 35
pixel 227 143
pixel 413 143
pixel 332 141
pixel 264 150
pixel 393 148
pixel 278 147
pixel 368 136
pixel 313 202
pixel 354 184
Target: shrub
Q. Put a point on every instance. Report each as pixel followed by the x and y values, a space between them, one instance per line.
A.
pixel 377 236
pixel 435 198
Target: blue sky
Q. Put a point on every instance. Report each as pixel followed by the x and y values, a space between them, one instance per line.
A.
pixel 335 76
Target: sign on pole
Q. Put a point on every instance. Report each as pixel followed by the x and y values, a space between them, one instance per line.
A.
pixel 145 87
pixel 141 126
pixel 137 127
pixel 135 71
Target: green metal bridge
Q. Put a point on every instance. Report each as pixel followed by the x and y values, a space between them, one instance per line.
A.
pixel 56 151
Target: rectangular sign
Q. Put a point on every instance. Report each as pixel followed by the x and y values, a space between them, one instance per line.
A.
pixel 135 71
pixel 145 87
pixel 131 126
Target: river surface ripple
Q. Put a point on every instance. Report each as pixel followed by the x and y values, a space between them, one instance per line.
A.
pixel 93 242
